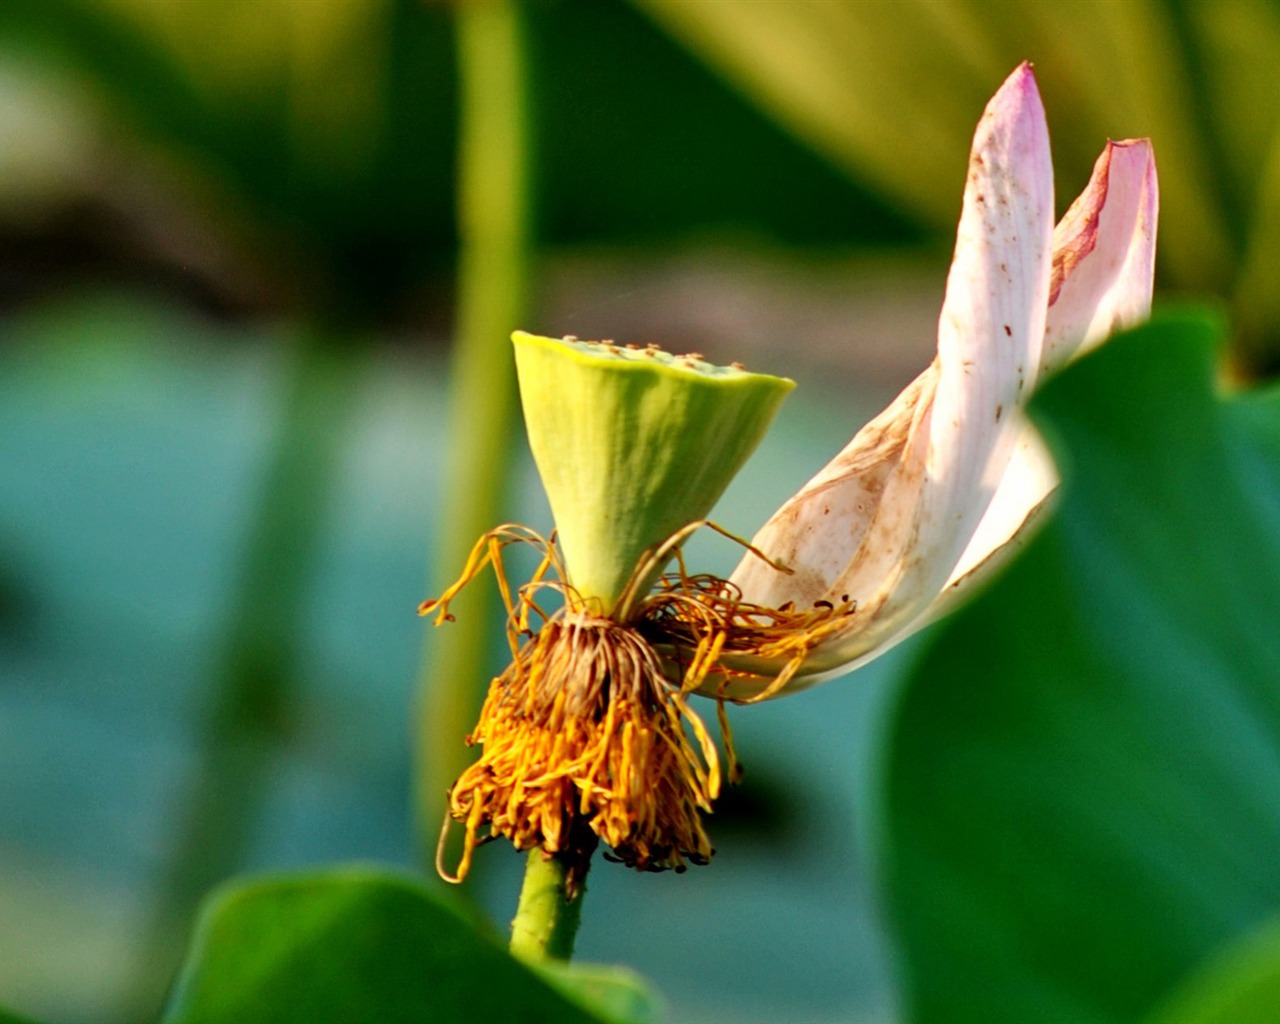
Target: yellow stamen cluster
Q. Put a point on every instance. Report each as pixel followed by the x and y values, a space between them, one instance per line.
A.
pixel 589 728
pixel 584 727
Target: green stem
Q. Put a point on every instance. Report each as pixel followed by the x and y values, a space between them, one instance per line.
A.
pixel 493 221
pixel 547 917
pixel 1223 185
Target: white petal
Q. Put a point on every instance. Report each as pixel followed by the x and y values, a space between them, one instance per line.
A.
pixel 991 333
pixel 1025 491
pixel 819 530
pixel 887 521
pixel 1103 265
pixel 1024 494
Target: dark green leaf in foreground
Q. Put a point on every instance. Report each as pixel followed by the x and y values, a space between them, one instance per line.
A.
pixel 1082 796
pixel 616 994
pixel 6 1017
pixel 363 947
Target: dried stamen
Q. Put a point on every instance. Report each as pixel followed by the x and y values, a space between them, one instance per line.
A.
pixel 583 727
pixel 583 735
pixel 588 734
pixel 705 628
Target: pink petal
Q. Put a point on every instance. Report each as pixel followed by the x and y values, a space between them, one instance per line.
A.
pixel 992 328
pixel 1103 264
pixel 887 521
pixel 1104 254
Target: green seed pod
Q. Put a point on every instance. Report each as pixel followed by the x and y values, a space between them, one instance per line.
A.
pixel 632 445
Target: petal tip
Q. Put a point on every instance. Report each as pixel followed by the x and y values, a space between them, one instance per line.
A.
pixel 1022 80
pixel 1016 107
pixel 1136 149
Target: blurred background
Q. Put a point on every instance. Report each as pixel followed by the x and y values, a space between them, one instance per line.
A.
pixel 258 263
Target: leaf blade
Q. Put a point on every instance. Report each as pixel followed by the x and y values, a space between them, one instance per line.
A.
pixel 1084 780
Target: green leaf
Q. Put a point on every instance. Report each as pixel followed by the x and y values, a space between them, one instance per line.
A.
pixel 1082 787
pixel 1241 985
pixel 8 1017
pixel 615 993
pixel 874 86
pixel 360 945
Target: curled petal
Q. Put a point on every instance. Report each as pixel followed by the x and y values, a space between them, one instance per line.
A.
pixel 1104 254
pixel 1103 269
pixel 990 335
pixel 887 521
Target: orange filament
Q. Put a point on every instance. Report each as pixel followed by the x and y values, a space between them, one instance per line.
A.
pixel 584 727
pixel 590 725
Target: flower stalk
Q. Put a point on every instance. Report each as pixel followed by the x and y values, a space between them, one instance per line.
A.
pixel 493 284
pixel 550 907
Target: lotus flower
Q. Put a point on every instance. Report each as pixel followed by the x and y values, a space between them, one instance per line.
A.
pixel 942 486
pixel 587 734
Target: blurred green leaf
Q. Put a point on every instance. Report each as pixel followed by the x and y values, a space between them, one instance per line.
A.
pixel 322 135
pixel 637 139
pixel 1082 788
pixel 360 945
pixel 1257 299
pixel 317 142
pixel 12 1018
pixel 617 994
pixel 871 86
pixel 1238 45
pixel 890 92
pixel 1241 985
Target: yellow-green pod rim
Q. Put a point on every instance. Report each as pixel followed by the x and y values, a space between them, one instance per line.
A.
pixel 632 444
